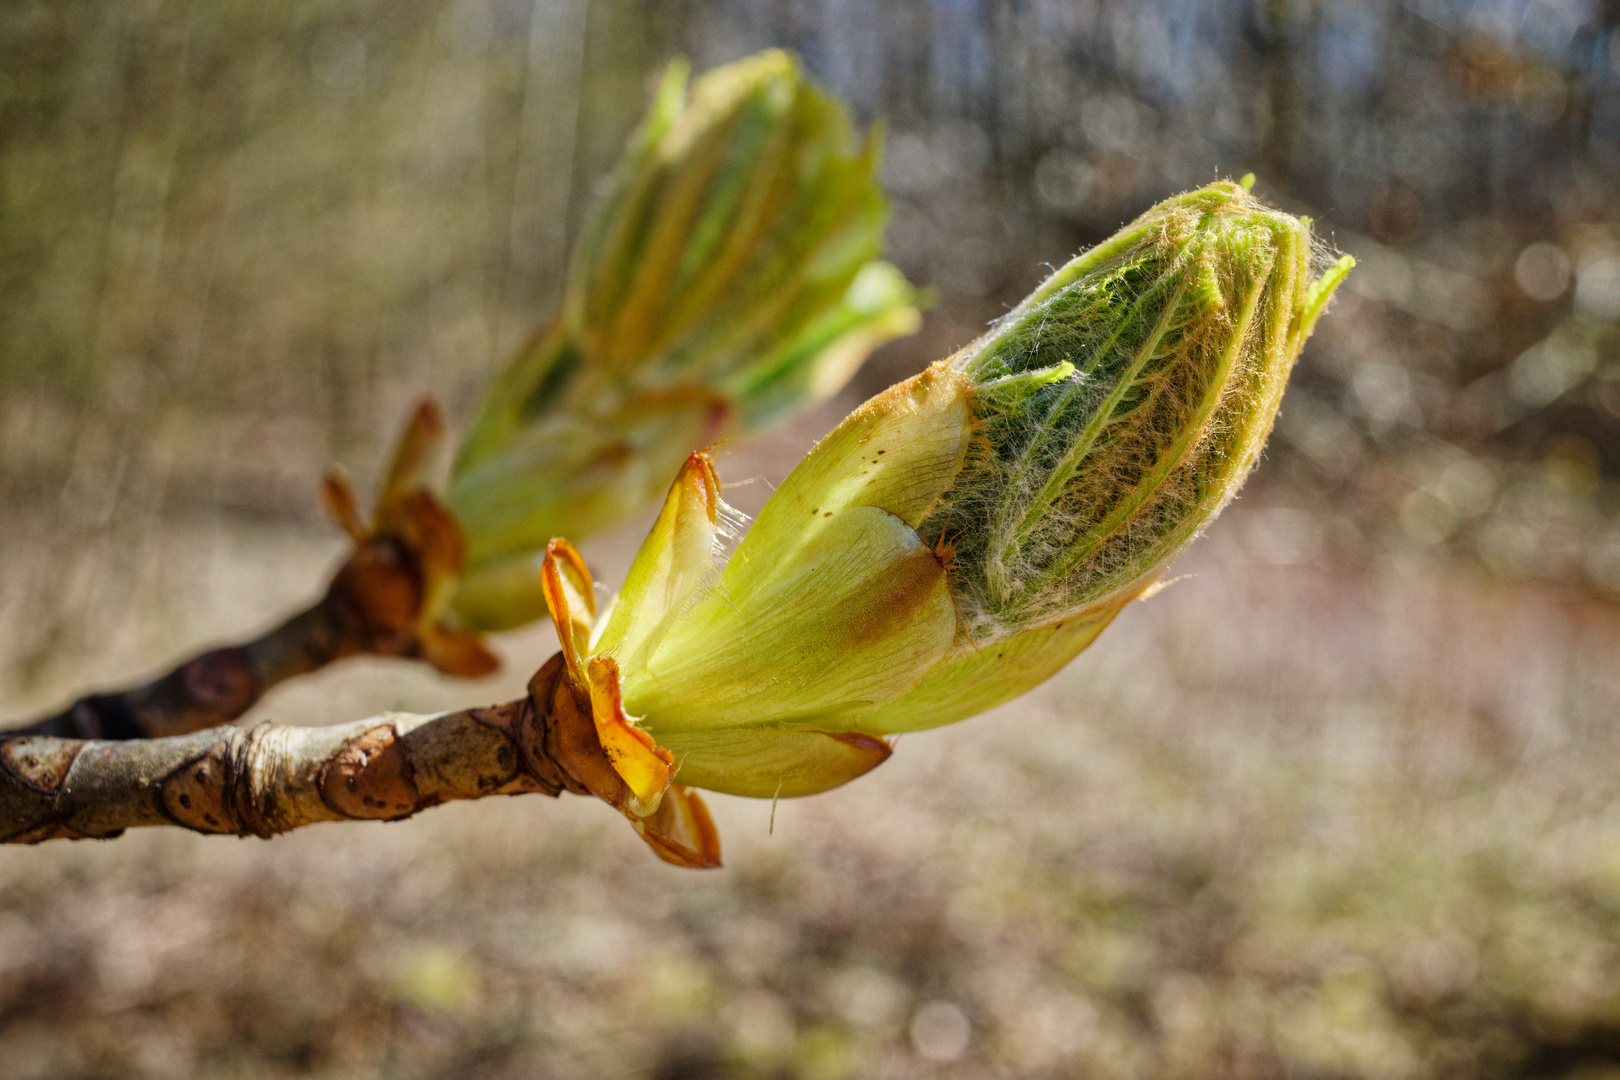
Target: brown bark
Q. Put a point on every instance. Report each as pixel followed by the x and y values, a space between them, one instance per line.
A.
pixel 370 608
pixel 271 778
pixel 383 601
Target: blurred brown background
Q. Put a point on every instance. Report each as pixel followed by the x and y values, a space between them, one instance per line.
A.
pixel 1342 804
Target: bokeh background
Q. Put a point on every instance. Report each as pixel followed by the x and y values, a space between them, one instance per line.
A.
pixel 1341 803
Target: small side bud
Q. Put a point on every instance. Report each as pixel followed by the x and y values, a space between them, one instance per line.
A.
pixel 407 558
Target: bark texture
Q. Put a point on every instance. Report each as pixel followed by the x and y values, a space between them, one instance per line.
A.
pixel 372 607
pixel 272 778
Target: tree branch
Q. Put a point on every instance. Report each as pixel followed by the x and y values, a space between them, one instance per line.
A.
pixel 272 778
pixel 371 608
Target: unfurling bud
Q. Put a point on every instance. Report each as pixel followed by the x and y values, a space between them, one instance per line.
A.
pixel 407 558
pixel 727 275
pixel 961 536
